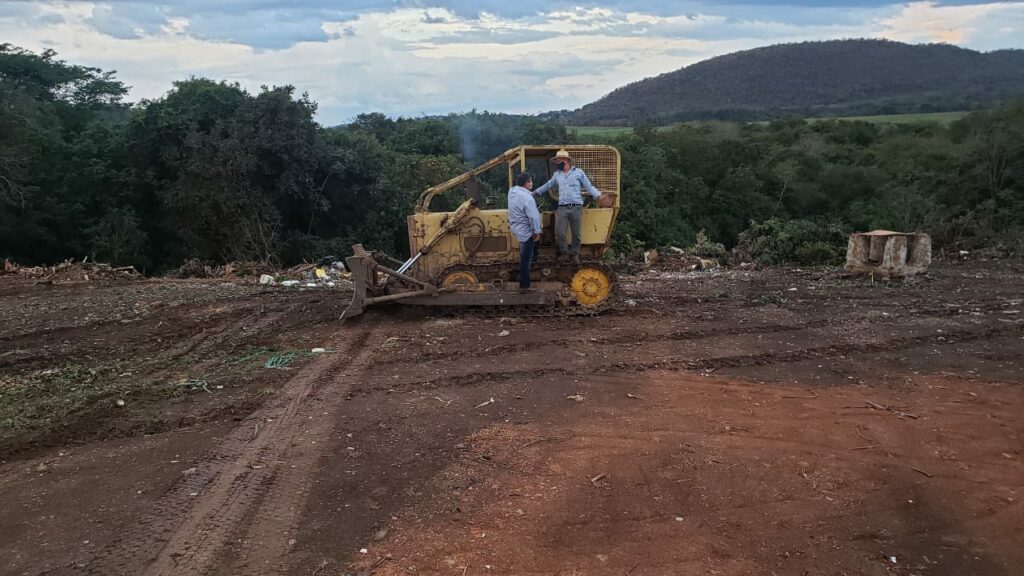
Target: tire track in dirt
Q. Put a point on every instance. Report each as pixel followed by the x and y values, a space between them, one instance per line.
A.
pixel 167 312
pixel 692 334
pixel 736 361
pixel 276 518
pixel 190 525
pixel 195 334
pixel 158 367
pixel 632 338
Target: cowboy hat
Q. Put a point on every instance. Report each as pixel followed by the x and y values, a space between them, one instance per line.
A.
pixel 562 154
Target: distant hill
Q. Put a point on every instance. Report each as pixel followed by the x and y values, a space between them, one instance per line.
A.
pixel 839 77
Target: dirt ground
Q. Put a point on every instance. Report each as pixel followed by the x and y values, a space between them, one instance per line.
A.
pixel 732 422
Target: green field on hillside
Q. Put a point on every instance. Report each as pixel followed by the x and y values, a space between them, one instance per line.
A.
pixel 607 131
pixel 940 117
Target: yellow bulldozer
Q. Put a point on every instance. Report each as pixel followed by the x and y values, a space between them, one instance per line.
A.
pixel 469 258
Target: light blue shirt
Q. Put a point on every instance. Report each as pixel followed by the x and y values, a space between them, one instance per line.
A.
pixel 523 216
pixel 570 186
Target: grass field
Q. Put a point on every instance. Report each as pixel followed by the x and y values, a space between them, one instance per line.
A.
pixel 940 117
pixel 607 131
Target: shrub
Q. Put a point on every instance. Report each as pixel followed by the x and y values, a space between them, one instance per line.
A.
pixel 625 248
pixel 705 248
pixel 800 242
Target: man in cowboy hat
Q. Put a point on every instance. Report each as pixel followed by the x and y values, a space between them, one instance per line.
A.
pixel 571 183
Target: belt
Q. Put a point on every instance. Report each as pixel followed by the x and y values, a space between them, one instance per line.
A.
pixel 569 205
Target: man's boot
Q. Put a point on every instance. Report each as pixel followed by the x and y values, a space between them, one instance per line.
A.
pixel 562 258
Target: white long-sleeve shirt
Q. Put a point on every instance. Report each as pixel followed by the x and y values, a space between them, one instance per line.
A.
pixel 571 186
pixel 523 216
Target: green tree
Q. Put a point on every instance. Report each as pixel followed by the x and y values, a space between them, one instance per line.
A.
pixel 48 111
pixel 230 171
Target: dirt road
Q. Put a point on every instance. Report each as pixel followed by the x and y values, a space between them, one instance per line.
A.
pixel 733 422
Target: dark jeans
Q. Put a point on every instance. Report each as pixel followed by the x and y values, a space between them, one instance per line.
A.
pixel 528 252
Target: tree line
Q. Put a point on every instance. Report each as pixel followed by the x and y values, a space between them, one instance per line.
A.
pixel 963 183
pixel 210 171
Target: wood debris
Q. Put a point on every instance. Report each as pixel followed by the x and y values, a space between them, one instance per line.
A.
pixel 892 409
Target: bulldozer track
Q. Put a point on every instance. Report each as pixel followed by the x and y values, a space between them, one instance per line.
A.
pixel 263 468
pixel 533 310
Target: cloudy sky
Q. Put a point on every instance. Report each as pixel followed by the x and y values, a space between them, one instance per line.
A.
pixel 435 56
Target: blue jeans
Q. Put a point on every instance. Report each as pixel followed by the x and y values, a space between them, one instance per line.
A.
pixel 528 252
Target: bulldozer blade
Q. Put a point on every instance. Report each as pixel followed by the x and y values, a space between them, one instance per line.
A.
pixel 365 289
pixel 361 266
pixel 355 308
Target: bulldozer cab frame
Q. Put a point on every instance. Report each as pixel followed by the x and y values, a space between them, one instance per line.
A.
pixel 602 164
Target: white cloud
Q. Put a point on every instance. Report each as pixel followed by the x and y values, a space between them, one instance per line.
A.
pixel 434 59
pixel 932 22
